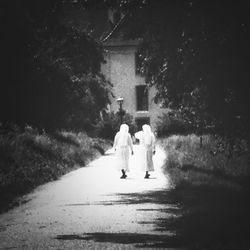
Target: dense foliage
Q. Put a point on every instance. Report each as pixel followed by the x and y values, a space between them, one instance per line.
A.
pixel 189 163
pixel 29 158
pixel 110 123
pixel 173 124
pixel 196 53
pixel 51 67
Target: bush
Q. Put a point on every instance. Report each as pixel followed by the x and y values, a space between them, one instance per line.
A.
pixel 188 162
pixel 172 123
pixel 110 125
pixel 29 158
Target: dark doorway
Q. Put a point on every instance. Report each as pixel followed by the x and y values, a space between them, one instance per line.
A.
pixel 141 98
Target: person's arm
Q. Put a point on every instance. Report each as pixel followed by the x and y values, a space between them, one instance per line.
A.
pixel 130 144
pixel 115 142
pixel 153 143
pixel 138 135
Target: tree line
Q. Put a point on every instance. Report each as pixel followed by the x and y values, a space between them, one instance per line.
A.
pixel 195 52
pixel 51 68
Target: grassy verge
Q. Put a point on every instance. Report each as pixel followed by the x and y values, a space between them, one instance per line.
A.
pixel 211 192
pixel 189 163
pixel 29 158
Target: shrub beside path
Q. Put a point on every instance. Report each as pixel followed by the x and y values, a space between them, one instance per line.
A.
pixel 90 207
pixel 29 158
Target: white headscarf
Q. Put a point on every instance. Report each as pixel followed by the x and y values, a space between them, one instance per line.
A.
pixel 123 134
pixel 147 134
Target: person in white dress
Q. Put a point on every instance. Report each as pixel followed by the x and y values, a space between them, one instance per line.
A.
pixel 147 144
pixel 122 145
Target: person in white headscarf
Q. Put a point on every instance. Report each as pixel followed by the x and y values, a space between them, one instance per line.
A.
pixel 122 145
pixel 147 143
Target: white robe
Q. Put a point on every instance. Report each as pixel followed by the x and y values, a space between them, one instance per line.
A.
pixel 122 150
pixel 146 150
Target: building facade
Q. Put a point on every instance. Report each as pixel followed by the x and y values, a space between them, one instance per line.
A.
pixel 120 66
pixel 120 70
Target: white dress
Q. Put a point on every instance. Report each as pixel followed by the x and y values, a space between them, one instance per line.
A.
pixel 122 145
pixel 147 146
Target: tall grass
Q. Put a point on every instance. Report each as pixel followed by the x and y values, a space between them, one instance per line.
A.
pixel 187 162
pixel 29 158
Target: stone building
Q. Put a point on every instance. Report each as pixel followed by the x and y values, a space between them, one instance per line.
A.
pixel 120 70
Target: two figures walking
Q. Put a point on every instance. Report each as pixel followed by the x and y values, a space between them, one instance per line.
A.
pixel 123 146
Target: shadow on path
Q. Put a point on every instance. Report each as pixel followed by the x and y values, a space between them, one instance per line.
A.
pixel 191 217
pixel 140 240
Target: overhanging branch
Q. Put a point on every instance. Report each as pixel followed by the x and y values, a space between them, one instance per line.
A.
pixel 114 29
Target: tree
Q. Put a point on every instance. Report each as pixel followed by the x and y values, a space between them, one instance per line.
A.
pixel 110 124
pixel 51 73
pixel 196 54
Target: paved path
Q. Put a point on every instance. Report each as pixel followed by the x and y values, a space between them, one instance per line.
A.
pixel 90 208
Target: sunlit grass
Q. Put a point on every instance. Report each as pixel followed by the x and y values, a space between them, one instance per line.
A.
pixel 189 162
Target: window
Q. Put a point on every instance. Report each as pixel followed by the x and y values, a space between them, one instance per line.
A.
pixel 137 63
pixel 139 70
pixel 141 98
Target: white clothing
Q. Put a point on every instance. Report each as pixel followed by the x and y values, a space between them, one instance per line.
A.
pixel 147 145
pixel 122 144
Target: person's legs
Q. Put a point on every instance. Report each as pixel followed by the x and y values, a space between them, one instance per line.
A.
pixel 147 175
pixel 123 174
